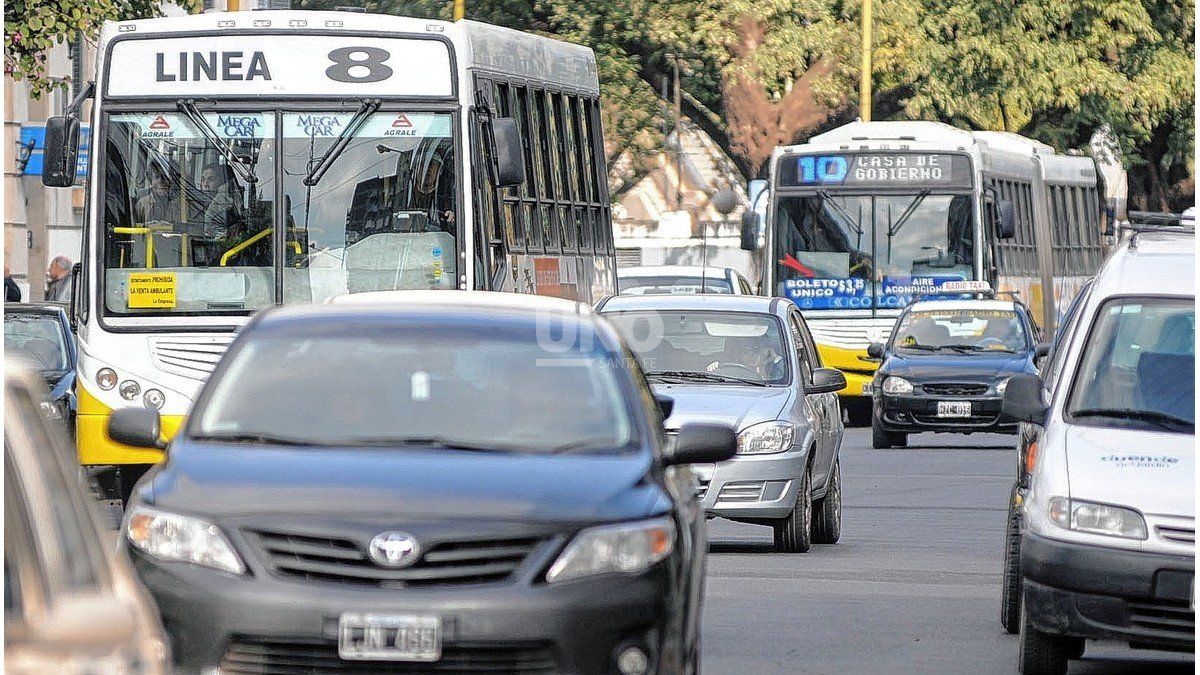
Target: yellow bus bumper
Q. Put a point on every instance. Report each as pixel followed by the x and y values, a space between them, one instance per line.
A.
pixel 854 364
pixel 96 448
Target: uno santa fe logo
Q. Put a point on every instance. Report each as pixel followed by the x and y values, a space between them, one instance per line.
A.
pixel 401 122
pixel 160 122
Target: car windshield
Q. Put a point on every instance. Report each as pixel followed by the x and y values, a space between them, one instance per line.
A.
pixel 192 203
pixel 37 338
pixel 706 346
pixel 861 252
pixel 962 329
pixel 672 285
pixel 1138 366
pixel 419 387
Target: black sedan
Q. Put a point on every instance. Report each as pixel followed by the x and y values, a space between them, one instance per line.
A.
pixel 40 335
pixel 945 368
pixel 430 483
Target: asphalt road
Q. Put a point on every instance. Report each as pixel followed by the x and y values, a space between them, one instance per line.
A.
pixel 913 586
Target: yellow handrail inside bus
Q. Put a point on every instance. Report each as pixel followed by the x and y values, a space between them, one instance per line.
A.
pixel 148 231
pixel 254 240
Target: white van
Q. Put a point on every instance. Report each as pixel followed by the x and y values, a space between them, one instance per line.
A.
pixel 1108 543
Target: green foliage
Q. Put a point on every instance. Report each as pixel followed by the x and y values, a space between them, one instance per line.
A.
pixel 33 27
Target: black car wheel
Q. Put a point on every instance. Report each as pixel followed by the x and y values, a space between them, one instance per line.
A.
pixel 858 412
pixel 1041 653
pixel 827 522
pixel 882 439
pixel 794 533
pixel 1010 585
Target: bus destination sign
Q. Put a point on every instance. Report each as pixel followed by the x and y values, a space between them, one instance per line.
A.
pixel 876 170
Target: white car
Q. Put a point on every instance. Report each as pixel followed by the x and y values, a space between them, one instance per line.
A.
pixel 681 280
pixel 1108 531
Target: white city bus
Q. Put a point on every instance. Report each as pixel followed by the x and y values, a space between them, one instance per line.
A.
pixel 242 160
pixel 863 218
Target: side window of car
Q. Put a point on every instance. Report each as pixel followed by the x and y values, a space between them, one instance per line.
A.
pixel 1062 340
pixel 805 353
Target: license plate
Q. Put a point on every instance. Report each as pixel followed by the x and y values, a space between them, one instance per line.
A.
pixel 390 637
pixel 867 390
pixel 954 409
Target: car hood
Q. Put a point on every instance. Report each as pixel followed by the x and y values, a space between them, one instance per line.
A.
pixel 733 405
pixel 223 480
pixel 956 367
pixel 1153 472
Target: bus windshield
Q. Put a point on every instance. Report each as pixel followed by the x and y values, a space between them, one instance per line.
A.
pixel 192 202
pixel 838 251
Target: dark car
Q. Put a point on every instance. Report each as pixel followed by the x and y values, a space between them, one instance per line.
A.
pixel 445 482
pixel 40 335
pixel 945 368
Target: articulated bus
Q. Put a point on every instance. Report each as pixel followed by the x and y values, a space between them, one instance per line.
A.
pixel 865 217
pixel 243 160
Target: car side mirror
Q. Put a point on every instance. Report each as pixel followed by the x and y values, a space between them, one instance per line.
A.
pixel 1042 349
pixel 61 151
pixel 507 151
pixel 136 427
pixel 1023 399
pixel 1006 219
pixel 875 350
pixel 666 405
pixel 825 381
pixel 703 444
pixel 749 231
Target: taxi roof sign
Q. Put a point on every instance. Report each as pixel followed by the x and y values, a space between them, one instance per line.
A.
pixel 976 286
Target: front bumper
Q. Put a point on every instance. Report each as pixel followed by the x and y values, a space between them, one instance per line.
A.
pixel 917 413
pixel 257 622
pixel 1095 592
pixel 753 486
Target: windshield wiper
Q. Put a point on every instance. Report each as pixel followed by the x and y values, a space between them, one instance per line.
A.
pixel 437 442
pixel 188 107
pixel 343 139
pixel 703 377
pixel 962 348
pixel 924 348
pixel 1162 419
pixel 252 437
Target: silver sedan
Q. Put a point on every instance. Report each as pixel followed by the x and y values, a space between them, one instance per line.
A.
pixel 748 362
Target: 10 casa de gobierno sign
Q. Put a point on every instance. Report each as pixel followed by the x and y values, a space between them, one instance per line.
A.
pixel 279 65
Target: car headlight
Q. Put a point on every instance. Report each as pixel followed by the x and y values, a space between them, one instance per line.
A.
pixel 1002 386
pixel 52 409
pixel 897 385
pixel 1081 516
pixel 765 438
pixel 629 548
pixel 171 536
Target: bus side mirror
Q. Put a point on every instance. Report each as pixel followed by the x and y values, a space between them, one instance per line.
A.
pixel 509 157
pixel 61 153
pixel 1006 219
pixel 749 231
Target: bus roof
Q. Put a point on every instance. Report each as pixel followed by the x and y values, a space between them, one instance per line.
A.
pixel 478 46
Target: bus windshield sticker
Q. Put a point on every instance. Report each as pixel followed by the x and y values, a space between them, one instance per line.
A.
pixel 844 293
pixel 152 290
pixel 876 169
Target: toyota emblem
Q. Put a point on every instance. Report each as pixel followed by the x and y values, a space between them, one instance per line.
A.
pixel 395 549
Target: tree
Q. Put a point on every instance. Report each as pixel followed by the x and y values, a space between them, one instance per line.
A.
pixel 33 27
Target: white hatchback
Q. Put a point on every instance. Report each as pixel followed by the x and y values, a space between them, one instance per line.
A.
pixel 1108 543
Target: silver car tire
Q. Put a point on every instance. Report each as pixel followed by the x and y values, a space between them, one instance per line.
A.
pixel 793 534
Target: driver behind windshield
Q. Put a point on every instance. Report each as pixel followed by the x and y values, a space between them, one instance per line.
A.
pixel 763 359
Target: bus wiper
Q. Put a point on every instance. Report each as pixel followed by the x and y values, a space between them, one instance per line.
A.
pixel 894 228
pixel 188 107
pixel 343 139
pixel 703 377
pixel 1162 419
pixel 827 198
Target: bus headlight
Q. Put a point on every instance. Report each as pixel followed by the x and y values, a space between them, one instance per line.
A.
pixel 106 378
pixel 154 398
pixel 129 390
pixel 897 385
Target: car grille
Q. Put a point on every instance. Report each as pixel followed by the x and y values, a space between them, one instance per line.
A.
pixel 286 656
pixel 327 559
pixel 188 356
pixel 955 389
pixel 1182 535
pixel 749 491
pixel 1175 617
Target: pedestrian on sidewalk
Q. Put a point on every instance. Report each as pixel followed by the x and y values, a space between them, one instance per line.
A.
pixel 58 277
pixel 12 292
